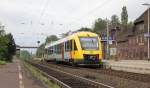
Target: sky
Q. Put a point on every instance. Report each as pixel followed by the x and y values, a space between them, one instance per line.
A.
pixel 33 20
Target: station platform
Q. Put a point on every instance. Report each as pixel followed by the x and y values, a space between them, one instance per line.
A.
pixel 13 75
pixel 136 66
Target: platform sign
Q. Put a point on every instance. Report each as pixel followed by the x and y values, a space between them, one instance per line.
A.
pixel 113 51
pixel 147 35
pixel 110 42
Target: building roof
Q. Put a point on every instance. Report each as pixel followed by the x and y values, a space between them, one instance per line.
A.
pixel 141 17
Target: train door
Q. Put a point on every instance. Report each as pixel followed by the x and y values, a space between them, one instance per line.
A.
pixel 73 48
pixel 66 51
pixel 62 51
pixel 73 53
pixel 45 54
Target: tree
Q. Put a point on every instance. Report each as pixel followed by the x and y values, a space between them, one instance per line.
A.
pixel 7 46
pixel 100 25
pixel 114 21
pixel 51 38
pixel 2 32
pixel 85 29
pixel 124 16
pixel 3 47
pixel 11 46
pixel 25 55
pixel 40 50
pixel 130 25
pixel 63 35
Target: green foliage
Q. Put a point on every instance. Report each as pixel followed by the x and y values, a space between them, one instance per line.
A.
pixel 85 29
pixel 25 55
pixel 2 62
pixel 51 38
pixel 2 32
pixel 124 16
pixel 100 25
pixel 130 25
pixel 3 47
pixel 114 21
pixel 63 35
pixel 7 46
pixel 11 46
pixel 18 53
pixel 40 50
pixel 39 75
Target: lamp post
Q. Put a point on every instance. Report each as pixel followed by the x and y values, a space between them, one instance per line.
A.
pixel 38 42
pixel 148 5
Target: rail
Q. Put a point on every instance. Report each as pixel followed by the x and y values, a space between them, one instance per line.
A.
pixel 68 80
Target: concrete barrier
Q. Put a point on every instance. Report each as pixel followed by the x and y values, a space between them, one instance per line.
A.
pixel 136 66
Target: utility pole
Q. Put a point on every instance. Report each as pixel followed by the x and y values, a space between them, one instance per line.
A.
pixel 107 39
pixel 148 34
pixel 148 14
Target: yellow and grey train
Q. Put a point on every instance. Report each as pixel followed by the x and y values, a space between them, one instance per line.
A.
pixel 81 48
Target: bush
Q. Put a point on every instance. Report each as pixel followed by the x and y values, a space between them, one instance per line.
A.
pixel 2 62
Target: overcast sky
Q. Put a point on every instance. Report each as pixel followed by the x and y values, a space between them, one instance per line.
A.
pixel 32 20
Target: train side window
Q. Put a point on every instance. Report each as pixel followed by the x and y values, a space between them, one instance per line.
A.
pixel 65 46
pixel 59 48
pixel 50 51
pixel 70 45
pixel 55 48
pixel 75 46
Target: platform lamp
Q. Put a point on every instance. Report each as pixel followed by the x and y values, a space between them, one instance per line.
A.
pixel 148 5
pixel 38 42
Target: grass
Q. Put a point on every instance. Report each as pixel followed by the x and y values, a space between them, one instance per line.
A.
pixel 2 62
pixel 37 73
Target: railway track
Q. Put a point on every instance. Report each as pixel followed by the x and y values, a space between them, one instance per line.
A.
pixel 117 79
pixel 121 74
pixel 68 80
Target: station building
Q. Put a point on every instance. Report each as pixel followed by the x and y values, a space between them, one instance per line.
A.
pixel 134 43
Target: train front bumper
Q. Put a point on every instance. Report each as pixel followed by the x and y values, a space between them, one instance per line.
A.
pixel 88 62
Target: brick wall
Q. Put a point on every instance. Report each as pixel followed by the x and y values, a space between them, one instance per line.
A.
pixel 135 48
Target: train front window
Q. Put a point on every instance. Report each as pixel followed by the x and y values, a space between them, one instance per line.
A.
pixel 89 43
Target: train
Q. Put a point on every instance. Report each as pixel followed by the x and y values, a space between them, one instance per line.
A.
pixel 81 48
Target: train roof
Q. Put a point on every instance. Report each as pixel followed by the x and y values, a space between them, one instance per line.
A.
pixel 83 33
